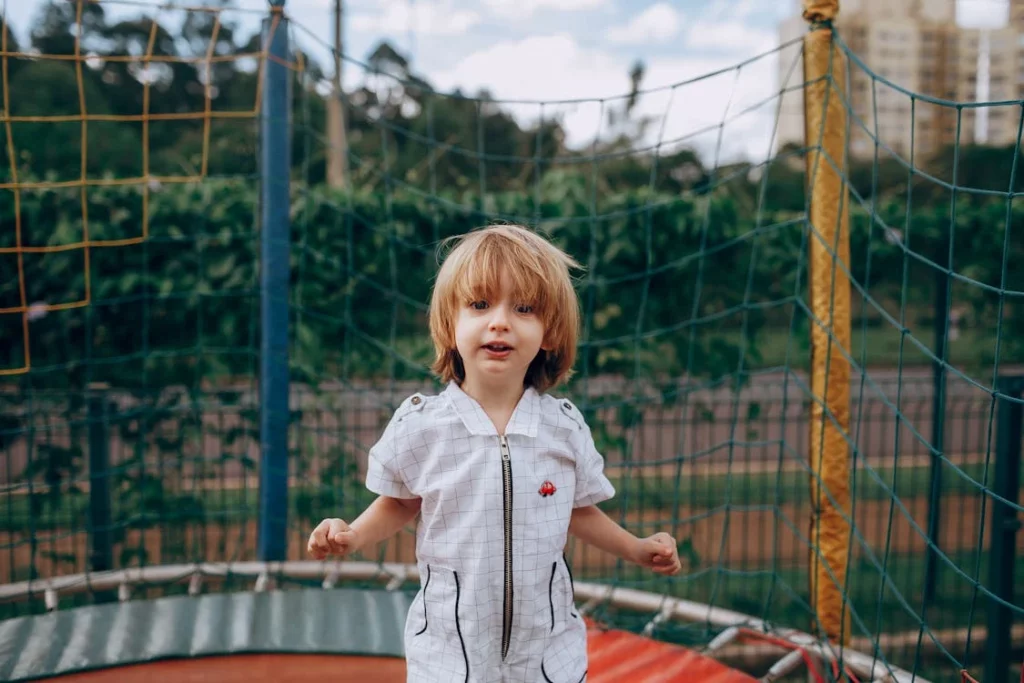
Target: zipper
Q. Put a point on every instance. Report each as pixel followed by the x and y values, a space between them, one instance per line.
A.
pixel 506 477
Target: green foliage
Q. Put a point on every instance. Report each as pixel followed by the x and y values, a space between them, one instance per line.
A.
pixel 668 280
pixel 182 305
pixel 899 268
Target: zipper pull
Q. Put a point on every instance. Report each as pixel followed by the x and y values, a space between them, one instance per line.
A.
pixel 504 447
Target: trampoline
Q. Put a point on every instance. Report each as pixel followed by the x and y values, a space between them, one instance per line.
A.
pixel 348 634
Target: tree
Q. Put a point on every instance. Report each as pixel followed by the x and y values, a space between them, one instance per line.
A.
pixel 54 32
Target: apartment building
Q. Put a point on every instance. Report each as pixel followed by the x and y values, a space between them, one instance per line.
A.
pixel 1017 15
pixel 917 47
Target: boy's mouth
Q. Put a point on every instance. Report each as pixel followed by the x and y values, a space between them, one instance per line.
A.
pixel 497 347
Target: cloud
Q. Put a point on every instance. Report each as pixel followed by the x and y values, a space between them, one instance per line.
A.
pixel 427 17
pixel 737 10
pixel 538 67
pixel 692 114
pixel 521 9
pixel 656 24
pixel 730 36
pixel 723 112
pixel 982 13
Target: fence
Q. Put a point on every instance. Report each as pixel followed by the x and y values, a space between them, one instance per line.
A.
pixel 723 466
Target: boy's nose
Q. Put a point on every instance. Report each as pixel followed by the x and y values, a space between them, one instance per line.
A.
pixel 499 318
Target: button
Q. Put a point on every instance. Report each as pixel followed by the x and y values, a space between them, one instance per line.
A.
pixel 416 400
pixel 567 405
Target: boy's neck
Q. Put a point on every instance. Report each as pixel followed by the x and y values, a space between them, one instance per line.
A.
pixel 499 399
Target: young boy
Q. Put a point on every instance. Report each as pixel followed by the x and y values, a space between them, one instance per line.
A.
pixel 500 473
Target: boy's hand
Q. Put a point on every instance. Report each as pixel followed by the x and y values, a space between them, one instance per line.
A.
pixel 659 553
pixel 332 537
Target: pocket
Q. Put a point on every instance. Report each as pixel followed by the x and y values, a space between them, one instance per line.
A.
pixel 423 602
pixel 434 641
pixel 547 679
pixel 572 589
pixel 565 658
pixel 561 593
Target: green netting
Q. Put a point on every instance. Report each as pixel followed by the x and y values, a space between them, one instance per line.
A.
pixel 694 365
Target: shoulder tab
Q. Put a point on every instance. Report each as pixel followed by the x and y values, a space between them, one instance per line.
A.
pixel 412 404
pixel 572 412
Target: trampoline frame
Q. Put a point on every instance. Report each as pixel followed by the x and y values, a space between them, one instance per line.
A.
pixel 395 574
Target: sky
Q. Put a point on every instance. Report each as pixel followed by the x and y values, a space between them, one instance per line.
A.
pixel 557 50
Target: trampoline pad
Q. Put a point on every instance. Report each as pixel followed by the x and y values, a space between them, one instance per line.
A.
pixel 307 621
pixel 340 635
pixel 249 668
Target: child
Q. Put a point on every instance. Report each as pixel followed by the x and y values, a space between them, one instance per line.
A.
pixel 499 471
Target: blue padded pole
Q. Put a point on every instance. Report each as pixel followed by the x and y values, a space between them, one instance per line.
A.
pixel 275 164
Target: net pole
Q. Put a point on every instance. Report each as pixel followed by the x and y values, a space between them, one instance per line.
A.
pixel 275 164
pixel 101 557
pixel 1003 529
pixel 337 166
pixel 941 334
pixel 825 130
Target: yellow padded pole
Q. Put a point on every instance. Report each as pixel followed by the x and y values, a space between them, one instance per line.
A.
pixel 829 245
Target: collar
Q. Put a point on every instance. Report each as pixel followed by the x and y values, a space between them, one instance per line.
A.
pixel 525 418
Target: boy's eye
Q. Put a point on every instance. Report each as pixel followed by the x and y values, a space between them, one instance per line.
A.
pixel 478 305
pixel 524 308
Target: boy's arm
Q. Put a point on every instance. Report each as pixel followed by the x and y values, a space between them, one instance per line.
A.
pixel 594 527
pixel 382 519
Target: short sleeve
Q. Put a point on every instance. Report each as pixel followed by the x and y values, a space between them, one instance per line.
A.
pixel 592 486
pixel 384 466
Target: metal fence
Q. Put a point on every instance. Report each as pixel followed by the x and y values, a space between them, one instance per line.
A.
pixel 112 480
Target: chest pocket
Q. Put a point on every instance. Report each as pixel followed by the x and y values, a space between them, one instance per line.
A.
pixel 545 487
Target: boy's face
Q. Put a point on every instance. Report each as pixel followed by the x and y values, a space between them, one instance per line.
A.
pixel 498 339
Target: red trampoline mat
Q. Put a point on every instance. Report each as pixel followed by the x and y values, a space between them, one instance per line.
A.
pixel 251 668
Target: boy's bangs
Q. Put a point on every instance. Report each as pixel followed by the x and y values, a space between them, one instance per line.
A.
pixel 479 276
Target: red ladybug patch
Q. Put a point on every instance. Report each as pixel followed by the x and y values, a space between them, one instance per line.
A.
pixel 547 489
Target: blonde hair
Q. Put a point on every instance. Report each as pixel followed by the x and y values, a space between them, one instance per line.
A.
pixel 539 272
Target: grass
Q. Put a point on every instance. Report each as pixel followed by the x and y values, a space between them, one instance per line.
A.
pixel 972 349
pixel 660 492
pixel 703 490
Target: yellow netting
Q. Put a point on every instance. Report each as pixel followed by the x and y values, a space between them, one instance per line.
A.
pixel 144 181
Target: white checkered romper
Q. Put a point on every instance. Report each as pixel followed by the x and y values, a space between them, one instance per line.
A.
pixel 495 603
